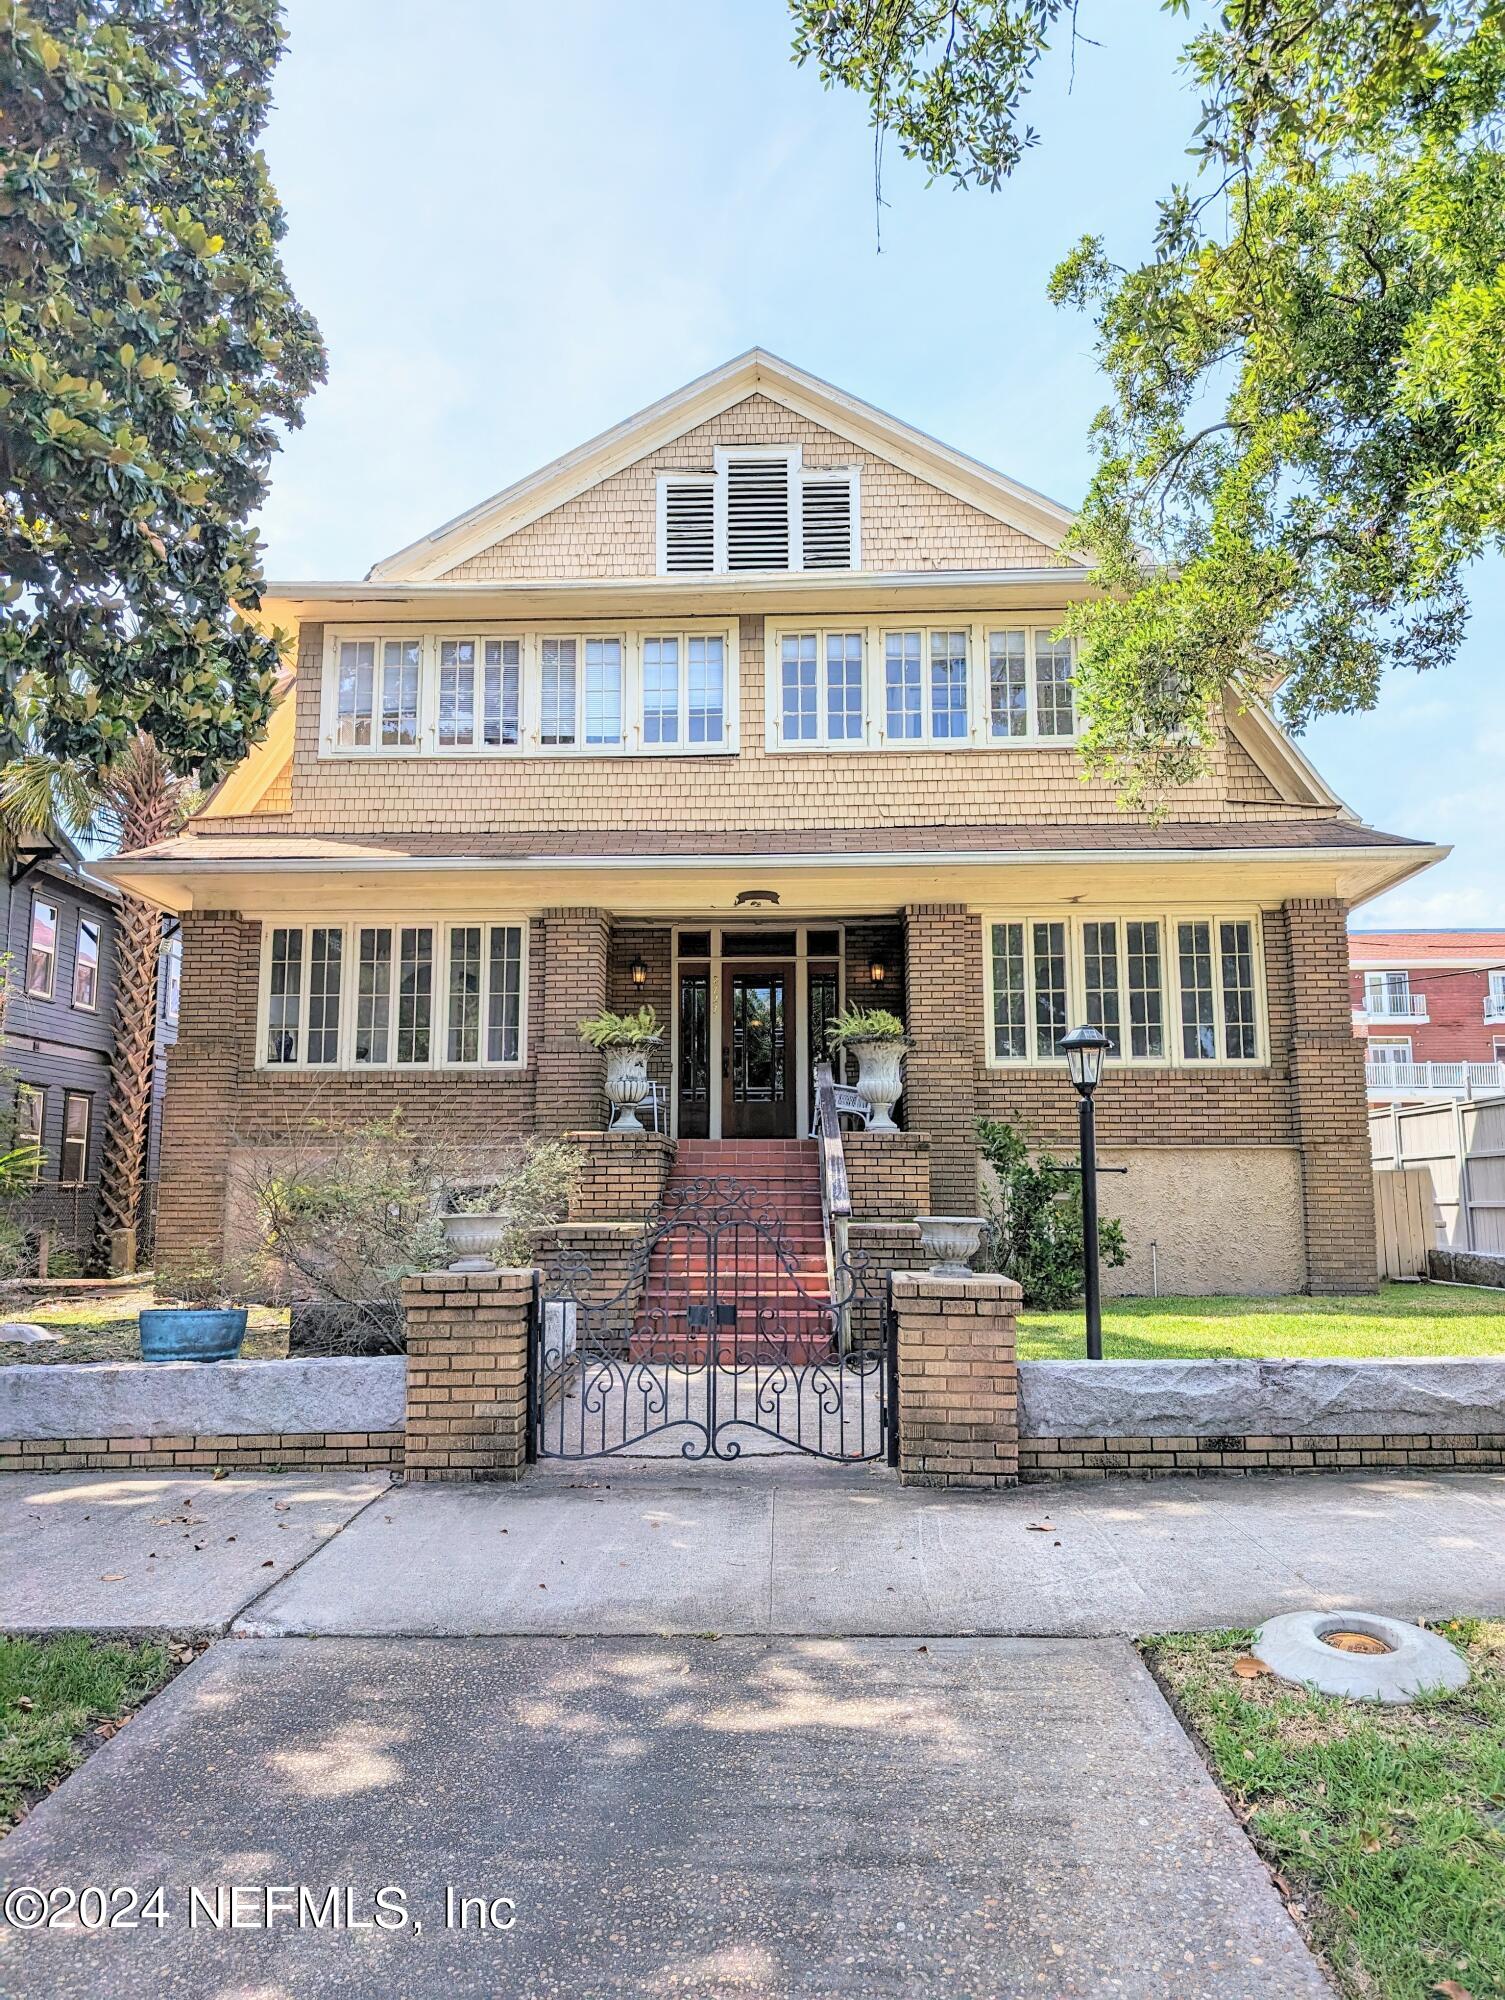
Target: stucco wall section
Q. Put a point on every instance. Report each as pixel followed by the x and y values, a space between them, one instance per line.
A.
pixel 1224 1219
pixel 610 530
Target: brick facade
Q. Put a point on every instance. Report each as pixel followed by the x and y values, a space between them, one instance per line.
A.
pixel 281 1451
pixel 623 1175
pixel 943 974
pixel 958 1380
pixel 1054 1458
pixel 1331 1112
pixel 889 1175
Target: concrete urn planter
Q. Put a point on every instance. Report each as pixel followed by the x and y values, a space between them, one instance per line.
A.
pixel 474 1238
pixel 626 1086
pixel 880 1078
pixel 953 1241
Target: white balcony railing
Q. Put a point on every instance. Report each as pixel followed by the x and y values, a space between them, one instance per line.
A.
pixel 1460 1079
pixel 1380 1004
pixel 1494 1006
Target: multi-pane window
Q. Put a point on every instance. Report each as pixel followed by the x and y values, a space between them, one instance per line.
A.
pixel 501 723
pixel 31 1112
pixel 377 693
pixel 86 966
pixel 603 691
pixel 661 690
pixel 415 995
pixel 41 950
pixel 457 694
pixel 402 661
pixel 73 1159
pixel 843 687
pixel 903 692
pixel 707 688
pixel 1054 713
pixel 948 684
pixel 557 692
pixel 357 693
pixel 1124 976
pixel 1008 684
pixel 799 664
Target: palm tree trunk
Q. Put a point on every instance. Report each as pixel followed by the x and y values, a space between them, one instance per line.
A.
pixel 146 803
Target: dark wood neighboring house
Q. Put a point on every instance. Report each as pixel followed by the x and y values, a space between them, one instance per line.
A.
pixel 60 940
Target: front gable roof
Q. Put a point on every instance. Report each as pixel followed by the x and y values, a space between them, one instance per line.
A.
pixel 754 373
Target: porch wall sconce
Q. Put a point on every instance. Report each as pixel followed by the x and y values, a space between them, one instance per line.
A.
pixel 638 972
pixel 877 972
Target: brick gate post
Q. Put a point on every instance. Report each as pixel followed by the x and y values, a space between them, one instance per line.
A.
pixel 958 1380
pixel 467 1405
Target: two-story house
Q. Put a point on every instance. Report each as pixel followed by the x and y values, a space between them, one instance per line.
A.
pixel 751 707
pixel 59 1031
pixel 1429 1007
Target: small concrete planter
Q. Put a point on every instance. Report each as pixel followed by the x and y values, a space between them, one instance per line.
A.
pixel 880 1079
pixel 626 1087
pixel 473 1238
pixel 1361 1654
pixel 953 1241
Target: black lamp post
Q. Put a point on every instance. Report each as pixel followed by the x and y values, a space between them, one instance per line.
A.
pixel 1084 1049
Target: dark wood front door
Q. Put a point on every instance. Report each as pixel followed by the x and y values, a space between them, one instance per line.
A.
pixel 757 1052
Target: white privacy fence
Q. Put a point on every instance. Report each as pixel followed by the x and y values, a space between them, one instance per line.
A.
pixel 1461 1144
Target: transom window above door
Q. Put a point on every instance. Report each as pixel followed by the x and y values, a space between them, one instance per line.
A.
pixel 594 691
pixel 901 686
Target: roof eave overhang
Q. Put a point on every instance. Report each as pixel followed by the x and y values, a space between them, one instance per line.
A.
pixel 841 882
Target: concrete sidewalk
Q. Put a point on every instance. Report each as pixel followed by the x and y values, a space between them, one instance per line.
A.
pixel 776 1548
pixel 759 1819
pixel 152 1552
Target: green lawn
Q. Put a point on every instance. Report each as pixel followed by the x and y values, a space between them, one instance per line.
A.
pixel 101 1326
pixel 60 1698
pixel 1386 1825
pixel 1399 1320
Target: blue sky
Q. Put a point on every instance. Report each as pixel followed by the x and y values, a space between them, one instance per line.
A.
pixel 518 224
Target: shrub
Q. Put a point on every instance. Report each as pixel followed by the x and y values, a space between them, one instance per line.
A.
pixel 1037 1219
pixel 621 1031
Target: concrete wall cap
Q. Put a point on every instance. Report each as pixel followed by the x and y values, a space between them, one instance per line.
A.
pixel 202 1399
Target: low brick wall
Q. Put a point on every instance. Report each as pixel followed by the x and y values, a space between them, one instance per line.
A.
pixel 1106 1419
pixel 889 1175
pixel 245 1415
pixel 622 1177
pixel 467 1374
pixel 958 1380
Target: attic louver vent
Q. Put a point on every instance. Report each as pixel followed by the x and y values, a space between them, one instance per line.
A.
pixel 828 523
pixel 689 525
pixel 757 513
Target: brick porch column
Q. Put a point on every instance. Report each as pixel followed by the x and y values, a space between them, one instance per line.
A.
pixel 575 944
pixel 943 983
pixel 467 1405
pixel 958 1380
pixel 203 1087
pixel 1331 1108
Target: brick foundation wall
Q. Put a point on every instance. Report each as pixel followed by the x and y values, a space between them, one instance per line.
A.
pixel 352 1451
pixel 467 1374
pixel 1053 1458
pixel 943 978
pixel 623 1176
pixel 889 1175
pixel 958 1380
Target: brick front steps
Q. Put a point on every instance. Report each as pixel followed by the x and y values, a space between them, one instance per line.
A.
pixel 771 1288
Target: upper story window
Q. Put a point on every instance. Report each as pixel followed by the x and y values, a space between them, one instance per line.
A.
pixel 41 950
pixel 1388 997
pixel 86 967
pixel 594 692
pixel 896 686
pixel 172 978
pixel 31 1115
pixel 760 508
pixel 1171 991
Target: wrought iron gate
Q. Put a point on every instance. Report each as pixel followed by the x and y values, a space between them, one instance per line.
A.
pixel 714 1342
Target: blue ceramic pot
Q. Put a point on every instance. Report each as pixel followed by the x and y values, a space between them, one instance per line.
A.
pixel 184 1333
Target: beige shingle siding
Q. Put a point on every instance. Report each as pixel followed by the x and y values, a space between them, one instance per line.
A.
pixel 611 530
pixel 754 790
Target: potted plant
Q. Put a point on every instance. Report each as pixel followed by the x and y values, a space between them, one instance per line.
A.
pixel 201 1326
pixel 626 1040
pixel 877 1039
pixel 493 1220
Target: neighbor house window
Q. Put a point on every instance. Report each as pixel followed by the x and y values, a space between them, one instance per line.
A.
pixel 86 966
pixel 73 1161
pixel 1387 1054
pixel 172 978
pixel 41 951
pixel 31 1112
pixel 403 996
pixel 1046 974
